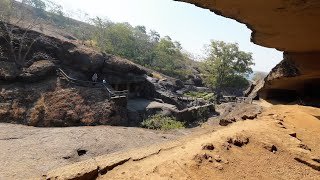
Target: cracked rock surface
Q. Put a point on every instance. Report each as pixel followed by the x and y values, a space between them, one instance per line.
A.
pixel 28 152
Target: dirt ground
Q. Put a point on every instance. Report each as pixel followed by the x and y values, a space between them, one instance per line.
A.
pixel 282 143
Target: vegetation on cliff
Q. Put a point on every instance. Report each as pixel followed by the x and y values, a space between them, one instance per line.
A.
pixel 224 68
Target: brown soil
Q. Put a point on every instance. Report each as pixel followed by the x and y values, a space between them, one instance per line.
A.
pixel 261 149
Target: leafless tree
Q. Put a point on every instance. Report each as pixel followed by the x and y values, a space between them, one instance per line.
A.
pixel 18 41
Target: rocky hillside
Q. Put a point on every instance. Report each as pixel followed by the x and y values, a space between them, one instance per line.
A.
pixel 34 95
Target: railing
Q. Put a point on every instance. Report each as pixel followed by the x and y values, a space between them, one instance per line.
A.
pixel 192 99
pixel 237 99
pixel 111 94
pixel 188 98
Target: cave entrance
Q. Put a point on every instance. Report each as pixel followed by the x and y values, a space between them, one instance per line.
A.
pixel 282 95
pixel 311 92
pixel 133 88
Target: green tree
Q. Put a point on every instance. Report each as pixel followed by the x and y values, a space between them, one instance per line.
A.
pixel 39 5
pixel 226 66
pixel 147 49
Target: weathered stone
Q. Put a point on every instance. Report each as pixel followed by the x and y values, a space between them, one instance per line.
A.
pixel 38 70
pixel 8 70
pixel 270 147
pixel 253 89
pixel 208 146
pixel 238 140
pixel 79 171
pixel 232 112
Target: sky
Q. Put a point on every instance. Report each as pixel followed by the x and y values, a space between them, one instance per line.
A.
pixel 192 26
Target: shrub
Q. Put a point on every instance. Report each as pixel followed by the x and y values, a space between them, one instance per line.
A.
pixel 162 122
pixel 205 95
pixel 37 113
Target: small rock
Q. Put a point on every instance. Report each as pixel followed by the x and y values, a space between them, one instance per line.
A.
pixel 217 158
pixel 226 122
pixel 208 146
pixel 199 158
pixel 270 147
pixel 238 140
pixel 218 166
pixel 226 146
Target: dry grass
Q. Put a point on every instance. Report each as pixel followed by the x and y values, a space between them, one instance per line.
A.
pixel 37 113
pixel 18 112
pixel 157 75
pixel 66 107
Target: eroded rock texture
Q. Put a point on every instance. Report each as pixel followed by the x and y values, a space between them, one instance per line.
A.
pixel 297 77
pixel 287 25
pixel 34 95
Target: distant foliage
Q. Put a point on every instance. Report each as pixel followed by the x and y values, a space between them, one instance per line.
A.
pixel 161 122
pixel 257 76
pixel 144 48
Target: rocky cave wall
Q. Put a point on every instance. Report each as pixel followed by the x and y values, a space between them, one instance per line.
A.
pixel 287 25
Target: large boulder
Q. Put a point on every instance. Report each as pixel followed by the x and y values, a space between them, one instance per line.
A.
pixel 38 70
pixel 253 89
pixel 232 112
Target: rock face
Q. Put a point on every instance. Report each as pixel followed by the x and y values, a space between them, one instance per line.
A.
pixel 38 70
pixel 253 89
pixel 297 77
pixel 34 95
pixel 287 25
pixel 232 112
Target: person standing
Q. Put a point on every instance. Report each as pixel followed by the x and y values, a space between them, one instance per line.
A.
pixel 95 77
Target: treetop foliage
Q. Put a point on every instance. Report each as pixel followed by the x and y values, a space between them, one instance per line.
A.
pixel 226 65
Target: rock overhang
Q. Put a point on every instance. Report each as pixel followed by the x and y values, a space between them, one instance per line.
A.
pixel 287 25
pixel 291 26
